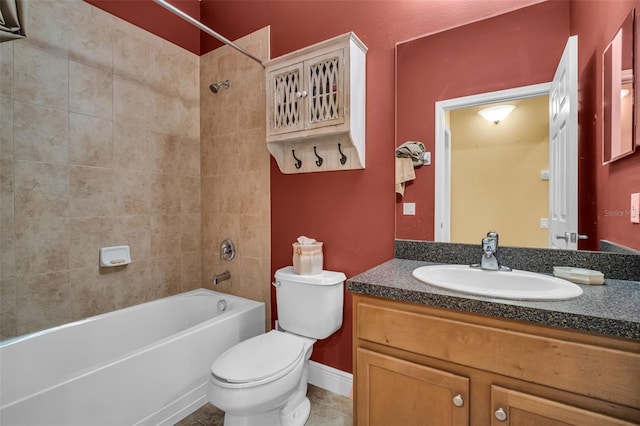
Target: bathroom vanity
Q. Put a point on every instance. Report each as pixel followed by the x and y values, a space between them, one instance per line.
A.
pixel 428 356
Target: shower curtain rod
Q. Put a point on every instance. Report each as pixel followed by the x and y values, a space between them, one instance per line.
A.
pixel 206 29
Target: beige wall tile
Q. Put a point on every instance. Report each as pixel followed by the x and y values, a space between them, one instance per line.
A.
pixel 42 301
pixel 49 25
pixel 40 133
pixel 39 77
pixel 7 309
pixel 135 232
pixel 6 69
pixel 166 238
pixel 6 128
pixel 130 101
pixel 7 251
pixel 90 42
pixel 133 285
pixel 190 156
pixel 131 55
pixel 164 150
pixel 86 236
pixel 90 91
pixel 41 190
pixel 91 192
pixel 211 197
pixel 92 292
pixel 41 246
pixel 190 271
pixel 90 141
pixel 164 66
pixel 131 146
pixel 7 185
pixel 166 272
pixel 253 195
pixel 252 151
pixel 190 233
pixel 190 195
pixel 165 194
pixel 228 187
pixel 132 192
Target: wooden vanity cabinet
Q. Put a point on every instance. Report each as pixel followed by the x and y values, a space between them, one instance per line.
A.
pixel 419 365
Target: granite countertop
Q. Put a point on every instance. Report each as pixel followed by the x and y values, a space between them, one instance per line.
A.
pixel 612 309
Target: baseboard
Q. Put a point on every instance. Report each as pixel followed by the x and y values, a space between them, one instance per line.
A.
pixel 331 379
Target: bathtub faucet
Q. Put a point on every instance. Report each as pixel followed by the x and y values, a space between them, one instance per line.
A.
pixel 217 279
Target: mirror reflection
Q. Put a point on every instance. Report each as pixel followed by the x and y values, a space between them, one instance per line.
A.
pixel 505 160
pixel 618 94
pixel 515 50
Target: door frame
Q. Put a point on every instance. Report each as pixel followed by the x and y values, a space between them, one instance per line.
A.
pixel 442 199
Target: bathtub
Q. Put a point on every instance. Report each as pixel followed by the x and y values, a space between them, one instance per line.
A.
pixel 144 365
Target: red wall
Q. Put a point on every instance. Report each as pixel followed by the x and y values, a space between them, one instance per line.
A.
pixel 352 212
pixel 596 23
pixel 515 49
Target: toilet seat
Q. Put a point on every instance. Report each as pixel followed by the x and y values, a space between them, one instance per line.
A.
pixel 258 360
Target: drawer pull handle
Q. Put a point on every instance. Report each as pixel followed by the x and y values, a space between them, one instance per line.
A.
pixel 500 414
pixel 458 401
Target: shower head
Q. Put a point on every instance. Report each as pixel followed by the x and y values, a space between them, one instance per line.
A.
pixel 216 86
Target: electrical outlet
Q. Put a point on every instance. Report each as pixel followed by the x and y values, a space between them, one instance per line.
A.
pixel 409 209
pixel 544 223
pixel 635 207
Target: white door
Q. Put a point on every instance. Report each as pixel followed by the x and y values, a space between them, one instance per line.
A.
pixel 563 151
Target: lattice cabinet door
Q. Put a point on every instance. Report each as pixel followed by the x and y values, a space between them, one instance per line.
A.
pixel 325 95
pixel 287 95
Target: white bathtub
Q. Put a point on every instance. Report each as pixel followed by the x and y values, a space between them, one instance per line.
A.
pixel 144 365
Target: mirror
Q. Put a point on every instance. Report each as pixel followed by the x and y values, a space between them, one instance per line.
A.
pixel 517 49
pixel 618 94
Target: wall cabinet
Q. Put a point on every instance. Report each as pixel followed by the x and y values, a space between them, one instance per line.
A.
pixel 417 365
pixel 316 106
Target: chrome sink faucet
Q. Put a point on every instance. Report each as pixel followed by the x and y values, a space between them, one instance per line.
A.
pixel 489 260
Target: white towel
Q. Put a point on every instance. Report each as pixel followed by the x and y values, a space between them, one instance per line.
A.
pixel 404 173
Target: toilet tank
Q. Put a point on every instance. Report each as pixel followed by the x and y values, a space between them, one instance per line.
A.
pixel 310 305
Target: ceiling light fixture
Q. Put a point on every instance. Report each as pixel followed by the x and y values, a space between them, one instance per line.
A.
pixel 496 113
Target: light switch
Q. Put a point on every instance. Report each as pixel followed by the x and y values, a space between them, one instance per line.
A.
pixel 544 175
pixel 635 207
pixel 409 209
pixel 544 223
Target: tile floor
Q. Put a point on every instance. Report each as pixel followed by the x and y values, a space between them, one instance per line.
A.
pixel 327 409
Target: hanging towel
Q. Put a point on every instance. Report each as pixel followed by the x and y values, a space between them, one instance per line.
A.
pixel 413 150
pixel 12 19
pixel 404 173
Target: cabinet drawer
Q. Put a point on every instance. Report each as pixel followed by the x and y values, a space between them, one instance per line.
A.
pixel 585 369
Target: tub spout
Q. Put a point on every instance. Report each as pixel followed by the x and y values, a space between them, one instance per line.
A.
pixel 217 279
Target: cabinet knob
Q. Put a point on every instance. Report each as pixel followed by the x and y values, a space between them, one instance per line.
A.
pixel 500 414
pixel 458 401
pixel 301 94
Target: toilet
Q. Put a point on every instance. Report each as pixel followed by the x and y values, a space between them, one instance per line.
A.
pixel 262 381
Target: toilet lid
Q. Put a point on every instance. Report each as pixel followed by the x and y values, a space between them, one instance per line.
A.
pixel 268 355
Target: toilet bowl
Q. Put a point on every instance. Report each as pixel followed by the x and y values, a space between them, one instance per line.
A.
pixel 262 381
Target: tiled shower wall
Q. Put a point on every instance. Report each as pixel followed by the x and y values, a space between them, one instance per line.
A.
pixel 235 170
pixel 100 146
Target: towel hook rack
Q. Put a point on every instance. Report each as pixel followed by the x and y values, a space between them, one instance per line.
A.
pixel 298 162
pixel 319 159
pixel 343 158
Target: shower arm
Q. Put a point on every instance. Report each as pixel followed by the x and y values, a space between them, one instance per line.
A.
pixel 206 29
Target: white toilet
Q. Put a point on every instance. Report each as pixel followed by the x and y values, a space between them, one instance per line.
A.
pixel 262 381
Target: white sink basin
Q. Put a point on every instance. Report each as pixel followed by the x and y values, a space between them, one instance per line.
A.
pixel 518 285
